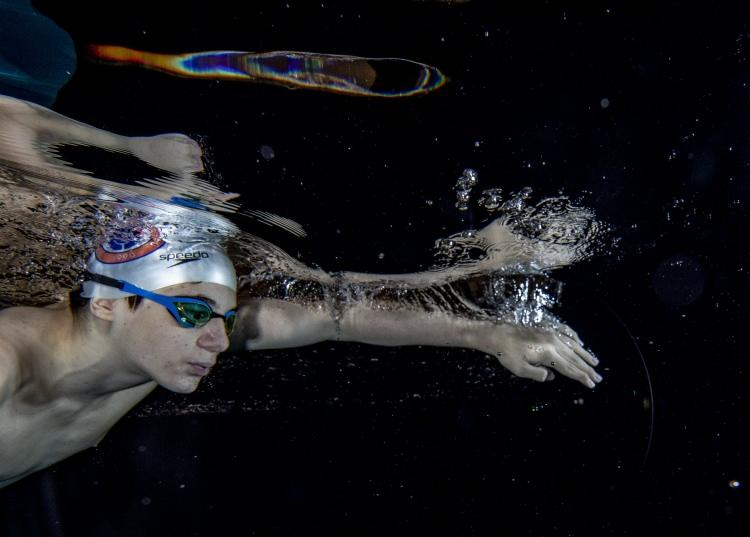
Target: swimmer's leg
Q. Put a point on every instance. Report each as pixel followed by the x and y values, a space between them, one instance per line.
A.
pixel 27 126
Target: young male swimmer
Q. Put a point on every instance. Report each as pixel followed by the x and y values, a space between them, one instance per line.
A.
pixel 67 374
pixel 153 312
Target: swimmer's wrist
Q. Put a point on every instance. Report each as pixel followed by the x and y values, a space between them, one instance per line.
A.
pixel 477 335
pixel 336 329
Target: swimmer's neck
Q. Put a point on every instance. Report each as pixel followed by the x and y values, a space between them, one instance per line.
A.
pixel 79 360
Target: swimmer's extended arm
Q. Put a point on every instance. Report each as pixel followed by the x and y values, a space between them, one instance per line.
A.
pixel 34 122
pixel 527 352
pixel 273 323
pixel 32 126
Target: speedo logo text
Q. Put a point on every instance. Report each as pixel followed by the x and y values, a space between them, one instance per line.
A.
pixel 184 256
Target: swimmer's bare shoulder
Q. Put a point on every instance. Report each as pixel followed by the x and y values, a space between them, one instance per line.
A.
pixel 10 319
pixel 8 371
pixel 11 380
pixel 9 354
pixel 21 328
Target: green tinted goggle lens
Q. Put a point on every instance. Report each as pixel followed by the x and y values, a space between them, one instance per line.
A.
pixel 196 315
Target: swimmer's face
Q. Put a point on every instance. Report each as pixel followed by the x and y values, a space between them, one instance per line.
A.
pixel 175 357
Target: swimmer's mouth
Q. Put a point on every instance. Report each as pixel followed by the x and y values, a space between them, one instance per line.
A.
pixel 200 369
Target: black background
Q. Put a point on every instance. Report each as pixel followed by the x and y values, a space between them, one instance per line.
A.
pixel 349 438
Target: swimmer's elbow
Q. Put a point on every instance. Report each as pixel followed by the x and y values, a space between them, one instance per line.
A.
pixel 277 324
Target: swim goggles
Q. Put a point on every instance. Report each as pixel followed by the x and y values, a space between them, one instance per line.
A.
pixel 189 312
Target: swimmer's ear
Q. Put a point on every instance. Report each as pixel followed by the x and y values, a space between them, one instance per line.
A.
pixel 103 308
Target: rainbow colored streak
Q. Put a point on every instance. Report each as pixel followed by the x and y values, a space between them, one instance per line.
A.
pixel 349 75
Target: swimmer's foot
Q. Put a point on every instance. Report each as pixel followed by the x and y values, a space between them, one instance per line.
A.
pixel 175 153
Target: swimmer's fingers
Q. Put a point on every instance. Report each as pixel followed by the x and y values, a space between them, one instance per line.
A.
pixel 579 350
pixel 573 366
pixel 571 339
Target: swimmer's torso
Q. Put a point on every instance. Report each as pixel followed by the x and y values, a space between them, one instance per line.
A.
pixel 38 428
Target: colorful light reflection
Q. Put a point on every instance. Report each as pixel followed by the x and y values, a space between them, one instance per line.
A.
pixel 349 75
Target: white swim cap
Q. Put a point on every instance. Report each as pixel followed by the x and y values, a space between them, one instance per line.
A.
pixel 143 258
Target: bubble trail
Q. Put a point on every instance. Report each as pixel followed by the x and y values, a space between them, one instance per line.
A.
pixel 465 183
pixel 349 75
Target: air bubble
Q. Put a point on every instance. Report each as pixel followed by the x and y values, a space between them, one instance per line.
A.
pixel 464 184
pixel 267 152
pixel 491 199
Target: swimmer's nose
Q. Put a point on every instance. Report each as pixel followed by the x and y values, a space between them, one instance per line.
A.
pixel 213 336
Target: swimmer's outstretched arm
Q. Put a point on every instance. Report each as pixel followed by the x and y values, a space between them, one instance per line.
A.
pixel 272 323
pixel 527 352
pixel 284 303
pixel 27 127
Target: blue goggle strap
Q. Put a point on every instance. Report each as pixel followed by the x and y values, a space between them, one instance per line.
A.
pixel 163 300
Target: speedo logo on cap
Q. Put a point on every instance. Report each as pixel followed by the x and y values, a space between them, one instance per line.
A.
pixel 183 257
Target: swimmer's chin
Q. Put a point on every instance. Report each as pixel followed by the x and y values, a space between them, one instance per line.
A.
pixel 184 387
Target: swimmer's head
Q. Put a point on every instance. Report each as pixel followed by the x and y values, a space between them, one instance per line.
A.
pixel 143 258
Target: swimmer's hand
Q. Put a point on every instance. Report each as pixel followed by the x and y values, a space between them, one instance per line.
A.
pixel 172 152
pixel 534 352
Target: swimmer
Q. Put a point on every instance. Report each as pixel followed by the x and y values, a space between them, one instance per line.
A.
pixel 154 313
pixel 158 313
pixel 149 313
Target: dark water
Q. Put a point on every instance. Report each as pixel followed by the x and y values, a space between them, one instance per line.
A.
pixel 642 109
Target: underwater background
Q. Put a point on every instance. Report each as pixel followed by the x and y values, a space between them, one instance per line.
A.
pixel 638 110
